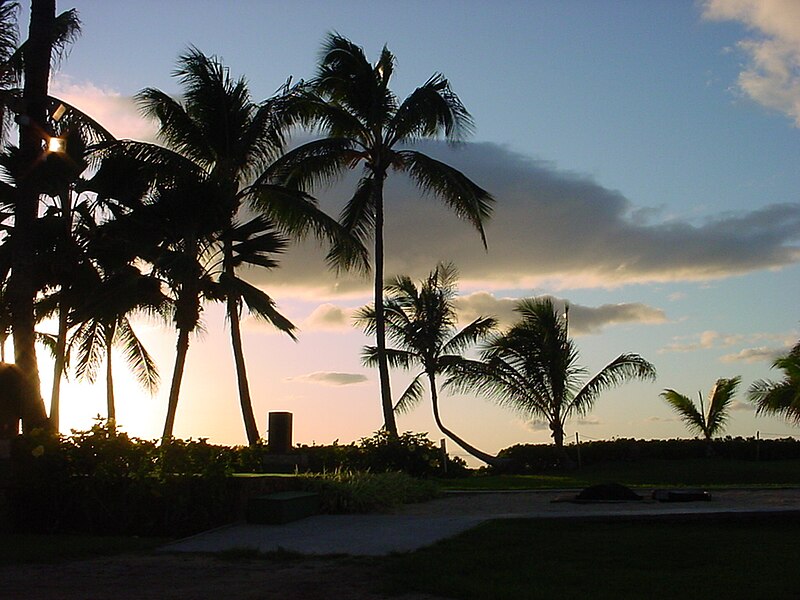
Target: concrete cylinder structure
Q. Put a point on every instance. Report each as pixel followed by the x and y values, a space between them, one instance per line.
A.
pixel 279 439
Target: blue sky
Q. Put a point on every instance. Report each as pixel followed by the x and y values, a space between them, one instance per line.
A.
pixel 644 160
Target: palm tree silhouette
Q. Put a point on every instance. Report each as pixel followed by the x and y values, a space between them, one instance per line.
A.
pixel 364 125
pixel 221 143
pixel 713 421
pixel 422 322
pixel 781 397
pixel 533 368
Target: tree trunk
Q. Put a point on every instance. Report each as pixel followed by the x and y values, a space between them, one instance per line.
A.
pixel 561 452
pixel 182 348
pixel 60 361
pixel 21 284
pixel 250 426
pixel 111 407
pixel 389 422
pixel 63 324
pixel 479 454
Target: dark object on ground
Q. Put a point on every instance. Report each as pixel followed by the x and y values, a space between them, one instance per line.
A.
pixel 681 496
pixel 12 383
pixel 608 492
pixel 282 507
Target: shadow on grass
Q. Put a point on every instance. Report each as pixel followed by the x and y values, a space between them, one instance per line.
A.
pixel 36 548
pixel 519 559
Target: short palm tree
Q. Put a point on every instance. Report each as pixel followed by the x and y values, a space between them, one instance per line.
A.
pixel 782 397
pixel 708 423
pixel 422 322
pixel 366 125
pixel 533 368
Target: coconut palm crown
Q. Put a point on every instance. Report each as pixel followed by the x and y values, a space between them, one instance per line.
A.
pixel 533 368
pixel 780 398
pixel 713 421
pixel 366 125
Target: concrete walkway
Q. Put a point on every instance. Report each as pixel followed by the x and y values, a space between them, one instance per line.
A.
pixel 418 525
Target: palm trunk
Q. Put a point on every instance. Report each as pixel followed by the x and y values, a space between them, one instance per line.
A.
pixel 21 288
pixel 389 422
pixel 181 349
pixel 63 324
pixel 58 367
pixel 250 426
pixel 558 437
pixel 479 454
pixel 111 407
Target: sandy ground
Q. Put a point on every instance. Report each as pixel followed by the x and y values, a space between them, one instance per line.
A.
pixel 195 576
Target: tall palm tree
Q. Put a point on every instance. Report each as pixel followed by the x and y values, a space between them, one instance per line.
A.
pixel 366 125
pixel 708 423
pixel 45 35
pixel 222 140
pixel 422 322
pixel 533 368
pixel 782 397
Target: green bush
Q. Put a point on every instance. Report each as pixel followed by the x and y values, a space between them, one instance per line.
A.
pixel 362 491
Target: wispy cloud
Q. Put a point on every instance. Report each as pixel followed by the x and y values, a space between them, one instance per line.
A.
pixel 753 355
pixel 330 378
pixel 771 74
pixel 329 317
pixel 582 319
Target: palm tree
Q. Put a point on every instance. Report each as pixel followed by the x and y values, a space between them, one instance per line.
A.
pixel 708 423
pixel 45 35
pixel 782 397
pixel 365 124
pixel 102 323
pixel 422 322
pixel 533 368
pixel 222 142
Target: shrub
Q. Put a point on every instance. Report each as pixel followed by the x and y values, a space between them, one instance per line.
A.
pixel 362 491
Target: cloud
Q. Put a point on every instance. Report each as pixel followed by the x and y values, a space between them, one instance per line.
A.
pixel 589 421
pixel 115 112
pixel 533 425
pixel 705 340
pixel 582 319
pixel 330 378
pixel 329 317
pixel 550 229
pixel 740 406
pixel 655 419
pixel 752 355
pixel 771 75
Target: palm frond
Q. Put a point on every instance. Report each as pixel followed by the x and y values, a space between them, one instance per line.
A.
pixel 139 360
pixel 623 368
pixel 259 304
pixel 470 202
pixel 412 395
pixel 695 421
pixel 720 400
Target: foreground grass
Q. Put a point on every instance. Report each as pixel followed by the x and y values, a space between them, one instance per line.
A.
pixel 714 472
pixel 520 559
pixel 31 548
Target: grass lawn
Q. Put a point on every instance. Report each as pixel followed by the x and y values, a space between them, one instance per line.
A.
pixel 715 472
pixel 30 548
pixel 520 559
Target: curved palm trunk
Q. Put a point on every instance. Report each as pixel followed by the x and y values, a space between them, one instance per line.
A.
pixel 181 349
pixel 21 288
pixel 389 422
pixel 250 426
pixel 111 407
pixel 479 454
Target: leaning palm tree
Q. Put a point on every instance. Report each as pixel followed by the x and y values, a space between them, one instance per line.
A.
pixel 782 397
pixel 708 423
pixel 366 125
pixel 219 138
pixel 422 322
pixel 533 368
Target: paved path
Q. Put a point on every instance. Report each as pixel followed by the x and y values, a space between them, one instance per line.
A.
pixel 417 525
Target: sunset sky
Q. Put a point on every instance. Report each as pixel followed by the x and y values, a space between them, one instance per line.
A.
pixel 644 158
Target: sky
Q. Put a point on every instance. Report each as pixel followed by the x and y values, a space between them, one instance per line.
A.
pixel 643 156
